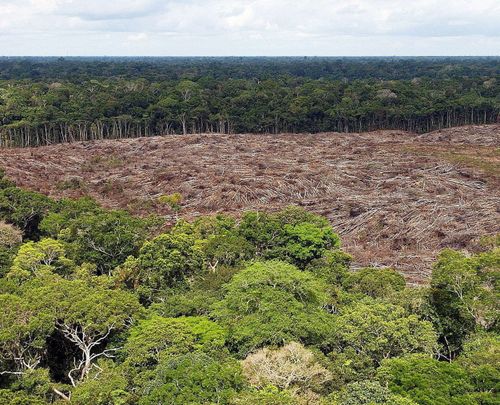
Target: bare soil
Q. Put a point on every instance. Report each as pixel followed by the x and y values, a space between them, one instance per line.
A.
pixel 396 198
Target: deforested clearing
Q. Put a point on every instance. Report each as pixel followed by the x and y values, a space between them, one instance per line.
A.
pixel 396 198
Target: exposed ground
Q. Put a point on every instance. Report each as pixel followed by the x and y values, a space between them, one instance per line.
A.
pixel 396 198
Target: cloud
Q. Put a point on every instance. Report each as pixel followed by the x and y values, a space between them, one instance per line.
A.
pixel 140 36
pixel 110 9
pixel 258 25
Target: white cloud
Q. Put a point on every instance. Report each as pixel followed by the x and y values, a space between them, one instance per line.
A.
pixel 140 36
pixel 250 26
pixel 110 9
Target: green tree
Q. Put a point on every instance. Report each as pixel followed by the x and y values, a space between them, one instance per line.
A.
pixel 307 241
pixel 45 255
pixel 464 295
pixel 106 385
pixel 272 303
pixel 23 334
pixel 205 290
pixel 193 378
pixel 369 393
pixel 174 201
pixel 333 267
pixel 157 337
pixel 189 99
pixel 292 235
pixel 19 398
pixel 267 396
pixel 481 359
pixel 10 236
pixel 167 261
pixel 10 239
pixel 380 331
pixel 426 380
pixel 226 250
pixel 104 238
pixel 87 314
pixel 376 283
pixel 24 209
pixel 4 182
pixel 35 383
pixel 219 240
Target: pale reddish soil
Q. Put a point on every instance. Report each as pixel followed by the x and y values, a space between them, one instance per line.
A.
pixel 396 198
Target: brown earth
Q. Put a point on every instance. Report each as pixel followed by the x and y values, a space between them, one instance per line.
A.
pixel 396 198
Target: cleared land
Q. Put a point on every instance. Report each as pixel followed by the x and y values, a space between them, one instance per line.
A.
pixel 396 198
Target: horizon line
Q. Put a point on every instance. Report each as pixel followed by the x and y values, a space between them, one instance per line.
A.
pixel 250 56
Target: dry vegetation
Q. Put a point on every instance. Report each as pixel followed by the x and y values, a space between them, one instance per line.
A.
pixel 396 198
pixel 291 367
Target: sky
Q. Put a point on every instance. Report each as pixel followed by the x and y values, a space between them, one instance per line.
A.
pixel 249 27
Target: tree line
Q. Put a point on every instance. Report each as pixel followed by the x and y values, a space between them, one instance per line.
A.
pixel 176 68
pixel 43 112
pixel 100 307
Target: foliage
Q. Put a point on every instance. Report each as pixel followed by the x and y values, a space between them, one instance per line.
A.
pixel 174 201
pixel 273 290
pixel 45 255
pixel 193 378
pixel 167 261
pixel 4 182
pixel 369 393
pixel 204 291
pixel 87 314
pixel 24 209
pixel 293 235
pixel 291 367
pixel 193 302
pixel 19 398
pixel 464 294
pixel 267 396
pixel 273 303
pixel 376 283
pixel 481 359
pixel 226 250
pixel 105 238
pixel 426 380
pixel 164 68
pixel 10 238
pixel 333 267
pixel 380 331
pixel 347 366
pixel 155 338
pixel 23 333
pixel 206 226
pixel 66 100
pixel 106 386
pixel 35 382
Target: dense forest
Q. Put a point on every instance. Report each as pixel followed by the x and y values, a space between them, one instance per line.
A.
pixel 52 100
pixel 176 68
pixel 100 307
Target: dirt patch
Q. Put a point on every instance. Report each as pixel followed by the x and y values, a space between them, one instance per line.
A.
pixel 396 198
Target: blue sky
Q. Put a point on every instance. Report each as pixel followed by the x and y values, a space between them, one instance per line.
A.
pixel 249 27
